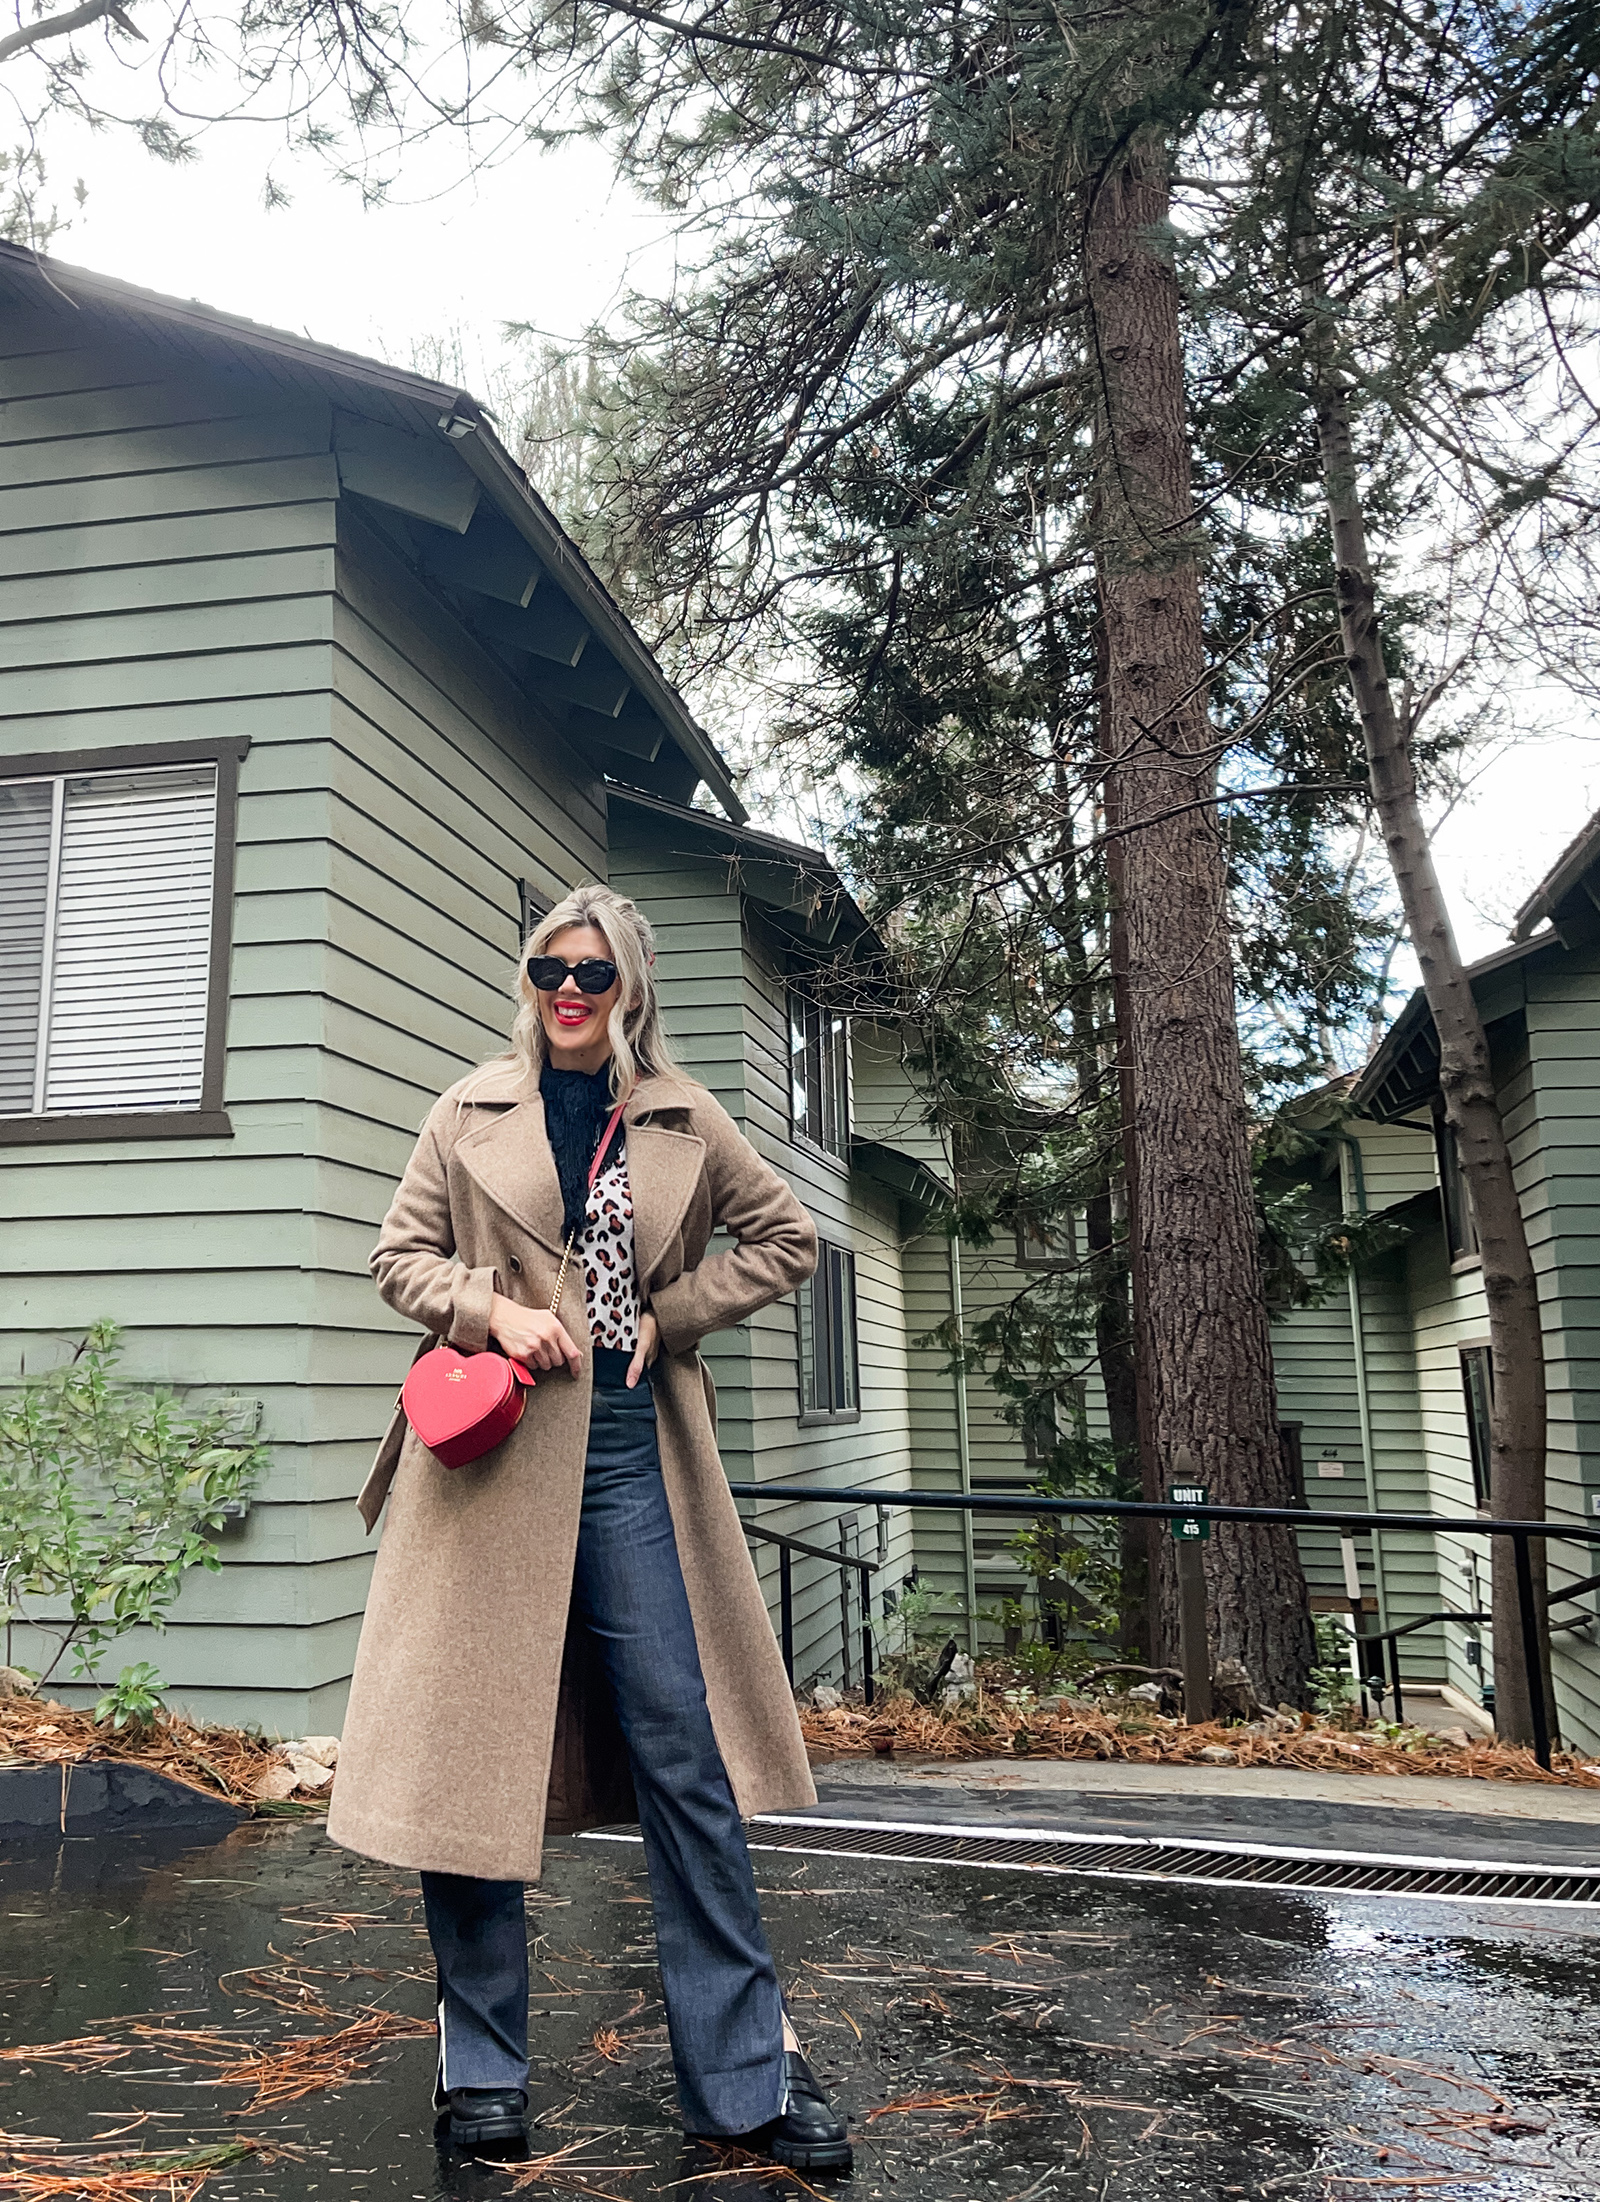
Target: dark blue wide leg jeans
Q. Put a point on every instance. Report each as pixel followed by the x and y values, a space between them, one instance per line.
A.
pixel 724 2009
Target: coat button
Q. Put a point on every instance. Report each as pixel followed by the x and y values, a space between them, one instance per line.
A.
pixel 516 1267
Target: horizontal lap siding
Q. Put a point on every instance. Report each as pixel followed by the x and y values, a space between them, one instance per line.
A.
pixel 1563 1029
pixel 887 1107
pixel 1314 1364
pixel 853 1212
pixel 938 1414
pixel 166 568
pixel 1447 1312
pixel 1408 1561
pixel 1397 1162
pixel 167 572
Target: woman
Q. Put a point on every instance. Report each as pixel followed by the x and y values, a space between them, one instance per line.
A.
pixel 568 1632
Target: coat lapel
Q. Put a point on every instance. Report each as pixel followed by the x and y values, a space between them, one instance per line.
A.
pixel 508 1158
pixel 663 1169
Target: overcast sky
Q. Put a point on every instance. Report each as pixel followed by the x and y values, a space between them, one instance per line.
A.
pixel 548 239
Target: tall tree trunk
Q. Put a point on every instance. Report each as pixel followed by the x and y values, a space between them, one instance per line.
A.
pixel 1207 1340
pixel 1517 1482
pixel 1145 1548
pixel 1106 1270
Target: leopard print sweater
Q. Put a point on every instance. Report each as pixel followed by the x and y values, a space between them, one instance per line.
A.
pixel 605 1248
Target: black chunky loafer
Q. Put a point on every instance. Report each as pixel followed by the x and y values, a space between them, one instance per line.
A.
pixel 485 2121
pixel 808 2134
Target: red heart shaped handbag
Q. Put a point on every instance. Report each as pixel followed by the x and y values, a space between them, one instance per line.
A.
pixel 462 1404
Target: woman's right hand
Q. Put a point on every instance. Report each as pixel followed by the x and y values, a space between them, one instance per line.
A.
pixel 531 1334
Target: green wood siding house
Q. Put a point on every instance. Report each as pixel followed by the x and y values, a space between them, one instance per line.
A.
pixel 307 707
pixel 304 701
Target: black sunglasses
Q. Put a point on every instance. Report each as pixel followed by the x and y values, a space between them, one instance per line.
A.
pixel 593 975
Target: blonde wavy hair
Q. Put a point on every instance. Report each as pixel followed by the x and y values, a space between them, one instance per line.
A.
pixel 639 1045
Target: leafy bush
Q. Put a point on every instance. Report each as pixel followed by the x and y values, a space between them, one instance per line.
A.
pixel 913 1657
pixel 134 1699
pixel 1333 1686
pixel 109 1494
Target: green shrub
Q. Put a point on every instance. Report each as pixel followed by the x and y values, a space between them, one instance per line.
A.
pixel 911 1654
pixel 134 1699
pixel 109 1494
pixel 1333 1686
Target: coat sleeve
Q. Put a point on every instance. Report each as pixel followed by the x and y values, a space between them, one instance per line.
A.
pixel 775 1245
pixel 414 1262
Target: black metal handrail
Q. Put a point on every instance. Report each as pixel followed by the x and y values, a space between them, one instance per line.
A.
pixel 1352 1521
pixel 866 1569
pixel 1389 1639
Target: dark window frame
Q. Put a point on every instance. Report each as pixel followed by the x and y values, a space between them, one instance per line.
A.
pixel 1064 1256
pixel 210 1120
pixel 1477 1391
pixel 533 905
pixel 1291 1442
pixel 819 1044
pixel 826 1316
pixel 1455 1196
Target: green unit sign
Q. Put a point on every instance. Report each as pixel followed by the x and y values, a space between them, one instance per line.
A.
pixel 1190 1529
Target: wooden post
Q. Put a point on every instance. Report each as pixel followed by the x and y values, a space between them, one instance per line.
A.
pixel 1196 1653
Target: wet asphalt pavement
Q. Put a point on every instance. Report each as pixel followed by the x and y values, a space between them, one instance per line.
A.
pixel 997 2036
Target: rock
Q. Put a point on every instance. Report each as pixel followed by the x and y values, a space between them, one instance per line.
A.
pixel 1456 1736
pixel 1218 1754
pixel 311 1760
pixel 14 1683
pixel 827 1700
pixel 1235 1692
pixel 320 1750
pixel 1146 1693
pixel 275 1784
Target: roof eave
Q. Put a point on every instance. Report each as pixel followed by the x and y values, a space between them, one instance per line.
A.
pixel 481 450
pixel 533 519
pixel 1413 1028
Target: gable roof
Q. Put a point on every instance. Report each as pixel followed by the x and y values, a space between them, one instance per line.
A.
pixel 1568 896
pixel 1403 1071
pixel 402 436
pixel 796 886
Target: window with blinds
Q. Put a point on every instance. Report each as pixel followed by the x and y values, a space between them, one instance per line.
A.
pixel 106 886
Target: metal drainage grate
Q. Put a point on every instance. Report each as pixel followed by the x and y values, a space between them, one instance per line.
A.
pixel 1158 1858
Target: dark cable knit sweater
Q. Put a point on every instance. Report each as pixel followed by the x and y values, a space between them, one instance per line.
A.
pixel 576 1106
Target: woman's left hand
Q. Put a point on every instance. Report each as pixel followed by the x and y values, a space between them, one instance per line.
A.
pixel 645 1351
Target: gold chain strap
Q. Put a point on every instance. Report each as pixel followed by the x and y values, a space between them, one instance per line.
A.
pixel 561 1273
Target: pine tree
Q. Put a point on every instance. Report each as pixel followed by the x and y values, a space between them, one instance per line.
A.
pixel 1401 185
pixel 941 320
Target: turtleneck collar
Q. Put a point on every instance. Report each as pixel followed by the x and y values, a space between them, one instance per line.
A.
pixel 576 1106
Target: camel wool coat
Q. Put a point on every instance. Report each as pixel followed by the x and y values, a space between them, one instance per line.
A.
pixel 476 1722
